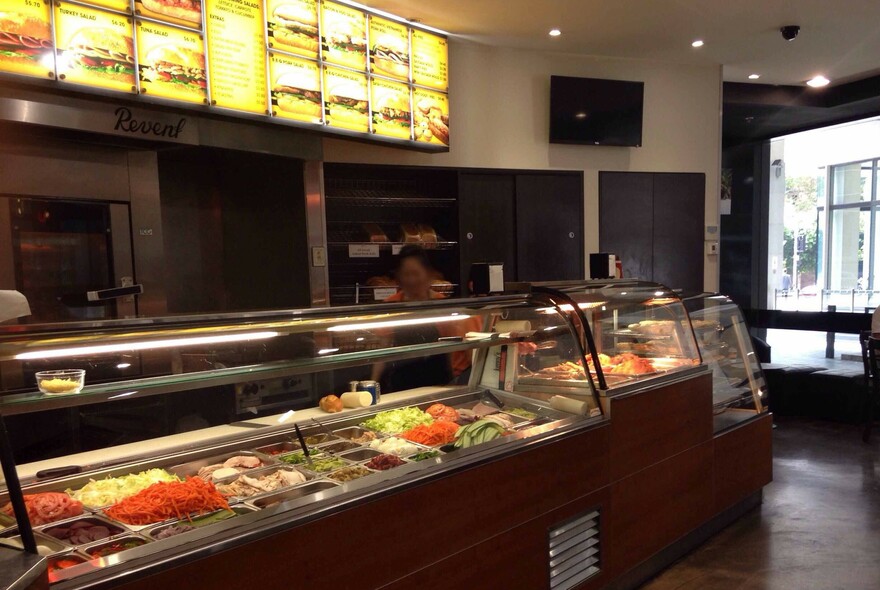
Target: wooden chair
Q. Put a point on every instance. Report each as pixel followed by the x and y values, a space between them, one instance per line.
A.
pixel 871 360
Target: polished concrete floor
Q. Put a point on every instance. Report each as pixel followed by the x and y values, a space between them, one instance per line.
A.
pixel 819 526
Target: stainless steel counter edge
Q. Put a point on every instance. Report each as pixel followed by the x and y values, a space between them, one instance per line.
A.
pixel 18 569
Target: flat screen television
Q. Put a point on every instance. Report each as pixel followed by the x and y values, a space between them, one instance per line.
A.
pixel 591 111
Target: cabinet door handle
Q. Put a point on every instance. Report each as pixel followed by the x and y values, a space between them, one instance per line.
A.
pixel 571 234
pixel 470 235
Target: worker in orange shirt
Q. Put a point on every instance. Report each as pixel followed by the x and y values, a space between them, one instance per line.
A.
pixel 414 274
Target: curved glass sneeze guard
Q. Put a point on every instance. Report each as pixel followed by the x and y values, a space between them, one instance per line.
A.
pixel 639 331
pixel 125 360
pixel 739 390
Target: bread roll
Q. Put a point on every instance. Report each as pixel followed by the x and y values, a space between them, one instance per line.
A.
pixel 409 232
pixel 427 234
pixel 330 404
pixel 375 233
pixel 357 399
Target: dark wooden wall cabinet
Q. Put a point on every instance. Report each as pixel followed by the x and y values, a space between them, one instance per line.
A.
pixel 531 221
pixel 654 222
pixel 651 482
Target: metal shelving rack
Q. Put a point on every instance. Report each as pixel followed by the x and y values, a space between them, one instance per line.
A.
pixel 353 201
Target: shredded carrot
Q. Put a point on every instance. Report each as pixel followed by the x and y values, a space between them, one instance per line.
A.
pixel 164 500
pixel 438 433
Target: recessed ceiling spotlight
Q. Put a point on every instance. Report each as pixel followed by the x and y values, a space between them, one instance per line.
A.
pixel 754 76
pixel 554 32
pixel 818 82
pixel 580 115
pixel 697 43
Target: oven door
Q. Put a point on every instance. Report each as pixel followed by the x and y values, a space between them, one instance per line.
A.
pixel 56 251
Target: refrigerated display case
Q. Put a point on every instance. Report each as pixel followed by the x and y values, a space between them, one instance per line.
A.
pixel 739 391
pixel 452 396
pixel 638 332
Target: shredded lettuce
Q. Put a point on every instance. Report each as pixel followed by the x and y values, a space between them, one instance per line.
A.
pixel 397 421
pixel 103 492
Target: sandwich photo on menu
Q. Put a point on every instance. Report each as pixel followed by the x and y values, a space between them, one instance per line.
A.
pixel 24 40
pixel 390 56
pixel 432 122
pixel 101 53
pixel 182 70
pixel 184 10
pixel 298 93
pixel 391 110
pixel 347 106
pixel 294 27
pixel 345 38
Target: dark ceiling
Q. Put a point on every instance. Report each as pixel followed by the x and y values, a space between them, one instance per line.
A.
pixel 753 112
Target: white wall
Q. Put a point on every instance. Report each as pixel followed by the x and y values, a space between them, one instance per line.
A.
pixel 499 118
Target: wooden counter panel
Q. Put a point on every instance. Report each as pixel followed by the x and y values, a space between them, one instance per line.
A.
pixel 743 461
pixel 516 558
pixel 409 530
pixel 649 427
pixel 653 508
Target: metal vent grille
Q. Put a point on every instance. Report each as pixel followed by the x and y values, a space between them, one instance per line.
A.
pixel 574 551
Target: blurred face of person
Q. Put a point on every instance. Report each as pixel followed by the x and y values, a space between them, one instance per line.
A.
pixel 414 280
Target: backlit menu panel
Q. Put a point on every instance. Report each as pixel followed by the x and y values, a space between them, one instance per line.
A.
pixel 325 64
pixel 95 47
pixel 237 55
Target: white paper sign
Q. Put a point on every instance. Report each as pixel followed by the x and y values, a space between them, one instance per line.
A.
pixel 363 250
pixel 383 293
pixel 396 248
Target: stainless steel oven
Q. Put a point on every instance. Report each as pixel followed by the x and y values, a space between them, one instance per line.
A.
pixel 58 251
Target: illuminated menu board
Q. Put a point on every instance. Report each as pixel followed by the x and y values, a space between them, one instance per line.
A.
pixel 430 60
pixel 345 99
pixel 237 55
pixel 95 47
pixel 431 120
pixel 296 89
pixel 293 26
pixel 343 35
pixel 320 64
pixel 171 63
pixel 390 105
pixel 30 51
pixel 187 13
pixel 389 48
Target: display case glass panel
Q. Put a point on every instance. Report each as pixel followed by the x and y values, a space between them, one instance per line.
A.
pixel 637 331
pixel 739 391
pixel 204 410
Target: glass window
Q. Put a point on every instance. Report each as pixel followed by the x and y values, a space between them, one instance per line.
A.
pixel 850 247
pixel 852 183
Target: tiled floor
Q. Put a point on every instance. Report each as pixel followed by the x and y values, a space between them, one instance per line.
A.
pixel 819 526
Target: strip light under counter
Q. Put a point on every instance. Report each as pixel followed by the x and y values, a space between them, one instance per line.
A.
pixel 145 345
pixel 397 323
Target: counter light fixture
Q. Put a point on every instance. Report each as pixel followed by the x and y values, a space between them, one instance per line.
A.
pixel 146 345
pixel 754 76
pixel 397 323
pixel 554 32
pixel 818 81
pixel 697 43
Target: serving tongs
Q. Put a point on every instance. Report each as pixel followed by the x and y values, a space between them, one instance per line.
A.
pixel 305 447
pixel 322 427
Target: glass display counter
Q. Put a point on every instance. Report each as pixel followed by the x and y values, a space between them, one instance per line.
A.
pixel 638 332
pixel 739 391
pixel 191 435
